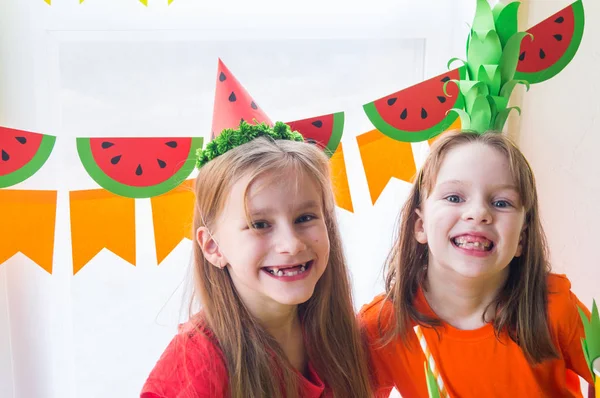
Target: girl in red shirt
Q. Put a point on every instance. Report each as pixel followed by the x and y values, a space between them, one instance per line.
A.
pixel 276 315
pixel 470 268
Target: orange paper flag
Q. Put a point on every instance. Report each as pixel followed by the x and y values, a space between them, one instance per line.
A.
pixel 339 177
pixel 384 158
pixel 172 215
pixel 100 219
pixel 28 222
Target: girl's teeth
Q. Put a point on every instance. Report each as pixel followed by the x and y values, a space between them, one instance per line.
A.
pixel 280 273
pixel 302 269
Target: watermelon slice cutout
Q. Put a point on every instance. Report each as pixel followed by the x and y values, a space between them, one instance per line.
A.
pixel 233 103
pixel 555 42
pixel 138 167
pixel 419 112
pixel 325 131
pixel 22 154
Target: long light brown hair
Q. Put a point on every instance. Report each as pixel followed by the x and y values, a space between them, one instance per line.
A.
pixel 521 305
pixel 257 366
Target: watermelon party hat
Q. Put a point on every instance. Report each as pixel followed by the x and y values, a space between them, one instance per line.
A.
pixel 591 342
pixel 233 104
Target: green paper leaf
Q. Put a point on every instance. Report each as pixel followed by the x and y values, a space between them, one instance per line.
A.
pixel 506 21
pixel 592 333
pixel 469 89
pixel 490 75
pixel 465 119
pixel 481 115
pixel 454 60
pixel 484 18
pixel 510 56
pixel 508 87
pixel 498 104
pixel 484 49
pixel 432 386
pixel 502 117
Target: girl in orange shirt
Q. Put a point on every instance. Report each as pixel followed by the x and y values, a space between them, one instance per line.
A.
pixel 470 267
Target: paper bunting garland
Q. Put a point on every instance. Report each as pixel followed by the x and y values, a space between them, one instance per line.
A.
pixel 384 158
pixel 28 224
pixel 339 179
pixel 101 220
pixel 138 167
pixel 22 154
pixel 172 217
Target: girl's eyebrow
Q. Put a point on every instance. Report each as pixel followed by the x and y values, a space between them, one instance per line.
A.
pixel 261 212
pixel 464 183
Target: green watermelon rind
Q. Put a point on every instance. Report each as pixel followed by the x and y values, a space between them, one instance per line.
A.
pixel 337 131
pixel 414 136
pixel 31 167
pixel 87 159
pixel 569 54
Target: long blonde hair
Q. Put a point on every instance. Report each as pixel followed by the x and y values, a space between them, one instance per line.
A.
pixel 522 303
pixel 256 364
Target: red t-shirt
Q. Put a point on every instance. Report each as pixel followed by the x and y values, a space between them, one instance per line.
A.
pixel 474 363
pixel 193 366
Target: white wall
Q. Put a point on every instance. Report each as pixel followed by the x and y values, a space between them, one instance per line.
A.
pixel 560 135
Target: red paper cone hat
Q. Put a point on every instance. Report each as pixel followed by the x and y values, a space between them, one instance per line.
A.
pixel 233 103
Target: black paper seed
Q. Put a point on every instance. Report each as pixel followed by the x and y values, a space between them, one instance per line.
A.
pixel 423 113
pixel 107 144
pixel 5 156
pixel 445 79
pixel 253 105
pixel 391 101
pixel 522 56
pixel 232 97
pixel 559 20
pixel 161 163
pixel 22 140
pixel 542 54
pixel 317 123
pixel 116 159
pixel 441 99
pixel 171 144
pixel 558 37
pixel 139 171
pixel 404 114
pixel 222 77
pixel 242 120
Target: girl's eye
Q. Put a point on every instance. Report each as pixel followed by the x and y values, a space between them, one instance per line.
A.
pixel 305 218
pixel 260 225
pixel 453 199
pixel 501 204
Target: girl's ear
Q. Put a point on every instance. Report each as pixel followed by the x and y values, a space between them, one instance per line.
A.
pixel 420 234
pixel 210 248
pixel 522 239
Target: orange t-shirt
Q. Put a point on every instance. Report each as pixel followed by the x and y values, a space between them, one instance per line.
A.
pixel 475 363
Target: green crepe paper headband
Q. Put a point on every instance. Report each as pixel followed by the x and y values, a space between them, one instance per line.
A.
pixel 492 56
pixel 231 138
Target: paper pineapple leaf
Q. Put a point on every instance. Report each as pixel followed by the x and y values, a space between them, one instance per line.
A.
pixel 484 49
pixel 510 56
pixel 490 75
pixel 502 117
pixel 481 114
pixel 465 119
pixel 591 343
pixel 505 20
pixel 432 386
pixel 508 87
pixel 484 17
